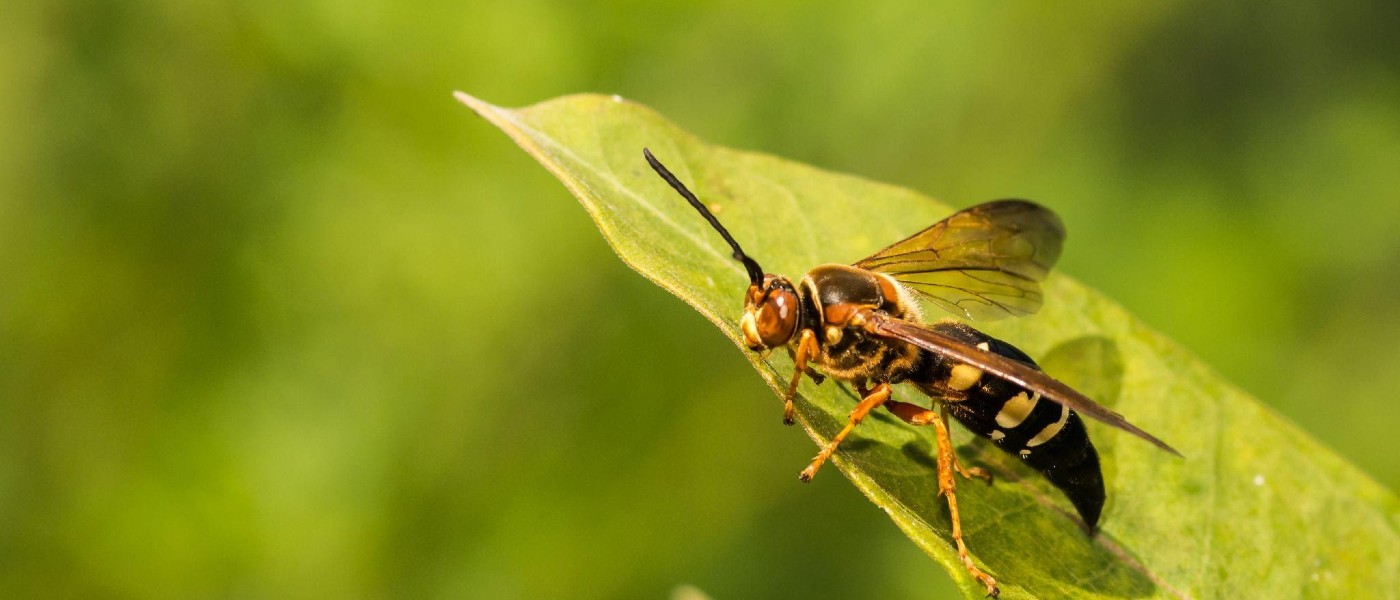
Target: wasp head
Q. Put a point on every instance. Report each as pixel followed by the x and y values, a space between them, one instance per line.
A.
pixel 771 306
pixel 771 313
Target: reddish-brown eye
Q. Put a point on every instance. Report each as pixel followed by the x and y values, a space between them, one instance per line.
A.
pixel 777 318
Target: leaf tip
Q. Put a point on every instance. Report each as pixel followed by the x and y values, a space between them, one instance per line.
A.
pixel 476 104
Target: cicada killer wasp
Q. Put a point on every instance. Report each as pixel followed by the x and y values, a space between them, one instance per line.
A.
pixel 862 324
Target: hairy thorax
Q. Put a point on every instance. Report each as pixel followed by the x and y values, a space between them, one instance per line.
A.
pixel 838 296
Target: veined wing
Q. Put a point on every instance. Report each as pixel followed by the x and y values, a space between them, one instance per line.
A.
pixel 984 262
pixel 1005 368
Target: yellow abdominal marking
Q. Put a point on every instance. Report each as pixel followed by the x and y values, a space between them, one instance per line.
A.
pixel 1051 429
pixel 963 377
pixel 1016 410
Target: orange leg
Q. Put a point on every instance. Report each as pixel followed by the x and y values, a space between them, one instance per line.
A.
pixel 914 414
pixel 806 348
pixel 967 473
pixel 870 402
pixel 947 464
pixel 945 488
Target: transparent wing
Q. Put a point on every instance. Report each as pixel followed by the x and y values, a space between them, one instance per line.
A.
pixel 985 262
pixel 1005 368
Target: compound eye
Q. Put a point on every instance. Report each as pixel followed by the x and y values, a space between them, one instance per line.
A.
pixel 777 318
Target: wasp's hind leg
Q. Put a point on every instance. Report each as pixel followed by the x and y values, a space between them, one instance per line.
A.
pixel 966 472
pixel 868 402
pixel 972 472
pixel 947 464
pixel 806 348
pixel 914 414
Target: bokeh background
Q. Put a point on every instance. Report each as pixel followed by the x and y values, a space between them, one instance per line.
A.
pixel 278 318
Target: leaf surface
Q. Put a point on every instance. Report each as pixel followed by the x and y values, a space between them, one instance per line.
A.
pixel 1257 508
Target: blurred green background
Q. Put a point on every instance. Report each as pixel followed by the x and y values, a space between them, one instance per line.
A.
pixel 279 318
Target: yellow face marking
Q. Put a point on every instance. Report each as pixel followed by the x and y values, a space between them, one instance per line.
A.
pixel 1024 453
pixel 998 435
pixel 1051 429
pixel 750 329
pixel 1016 410
pixel 963 377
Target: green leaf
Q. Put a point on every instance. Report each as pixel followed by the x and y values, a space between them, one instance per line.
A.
pixel 1257 509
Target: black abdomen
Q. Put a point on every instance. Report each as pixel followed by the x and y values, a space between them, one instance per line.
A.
pixel 1044 434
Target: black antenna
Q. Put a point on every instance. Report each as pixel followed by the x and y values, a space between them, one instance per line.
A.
pixel 755 271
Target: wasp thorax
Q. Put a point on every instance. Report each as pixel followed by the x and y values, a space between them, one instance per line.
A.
pixel 770 313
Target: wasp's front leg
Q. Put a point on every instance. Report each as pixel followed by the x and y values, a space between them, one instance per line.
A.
pixel 806 348
pixel 816 375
